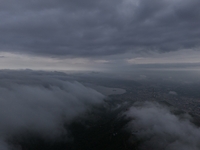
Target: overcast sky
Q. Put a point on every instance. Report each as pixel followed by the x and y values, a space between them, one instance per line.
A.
pixel 97 35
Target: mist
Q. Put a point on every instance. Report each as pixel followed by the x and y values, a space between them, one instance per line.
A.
pixel 60 107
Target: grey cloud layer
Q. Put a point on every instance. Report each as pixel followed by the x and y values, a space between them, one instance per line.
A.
pixel 93 28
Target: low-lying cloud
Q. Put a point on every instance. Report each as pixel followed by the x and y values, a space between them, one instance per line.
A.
pixel 158 128
pixel 41 103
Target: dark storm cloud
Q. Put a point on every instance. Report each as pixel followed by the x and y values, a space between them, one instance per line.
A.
pixel 93 28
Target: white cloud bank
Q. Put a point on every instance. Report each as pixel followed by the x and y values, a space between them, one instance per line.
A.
pixel 160 129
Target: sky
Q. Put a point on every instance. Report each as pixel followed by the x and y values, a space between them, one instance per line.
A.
pixel 99 35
